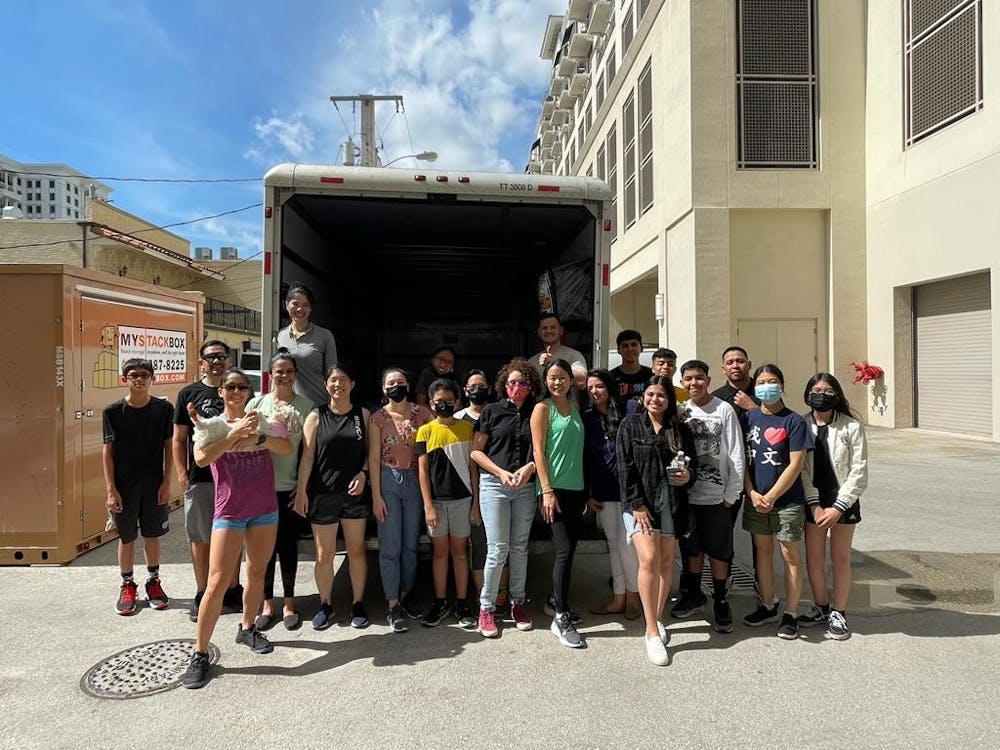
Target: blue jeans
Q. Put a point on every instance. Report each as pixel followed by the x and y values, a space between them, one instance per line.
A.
pixel 507 514
pixel 399 533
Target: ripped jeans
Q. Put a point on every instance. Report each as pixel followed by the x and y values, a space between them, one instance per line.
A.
pixel 507 514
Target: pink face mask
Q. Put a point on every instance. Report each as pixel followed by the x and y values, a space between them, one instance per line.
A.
pixel 518 393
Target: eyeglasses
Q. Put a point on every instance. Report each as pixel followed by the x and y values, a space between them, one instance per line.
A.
pixel 236 387
pixel 823 392
pixel 138 377
pixel 518 383
pixel 214 357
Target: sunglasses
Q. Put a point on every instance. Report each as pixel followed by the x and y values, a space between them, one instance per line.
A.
pixel 234 387
pixel 214 357
pixel 138 377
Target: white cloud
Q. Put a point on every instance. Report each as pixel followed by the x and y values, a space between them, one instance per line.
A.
pixel 472 91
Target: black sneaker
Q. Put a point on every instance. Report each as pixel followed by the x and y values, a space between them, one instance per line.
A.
pixel 574 616
pixel 410 608
pixel 359 618
pixel 397 620
pixel 723 616
pixel 692 603
pixel 232 600
pixel 761 616
pixel 814 616
pixel 195 604
pixel 439 610
pixel 465 616
pixel 196 673
pixel 562 628
pixel 789 627
pixel 254 640
pixel 836 629
pixel 324 618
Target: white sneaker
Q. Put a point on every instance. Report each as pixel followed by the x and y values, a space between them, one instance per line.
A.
pixel 663 632
pixel 656 651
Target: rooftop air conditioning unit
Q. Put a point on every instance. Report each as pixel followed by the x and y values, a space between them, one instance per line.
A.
pixel 228 253
pixel 203 253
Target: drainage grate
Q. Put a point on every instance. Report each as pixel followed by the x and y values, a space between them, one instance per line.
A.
pixel 142 670
pixel 742 578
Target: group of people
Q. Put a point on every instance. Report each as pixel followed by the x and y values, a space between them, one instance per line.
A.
pixel 665 467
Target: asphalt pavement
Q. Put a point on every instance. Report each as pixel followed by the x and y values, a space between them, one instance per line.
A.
pixel 919 671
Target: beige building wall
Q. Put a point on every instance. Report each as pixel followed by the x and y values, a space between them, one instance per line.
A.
pixel 932 208
pixel 242 285
pixel 728 245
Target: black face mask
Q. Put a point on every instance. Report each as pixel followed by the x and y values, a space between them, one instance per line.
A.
pixel 822 401
pixel 444 410
pixel 478 395
pixel 397 393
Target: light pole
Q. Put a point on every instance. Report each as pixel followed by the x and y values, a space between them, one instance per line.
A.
pixel 430 156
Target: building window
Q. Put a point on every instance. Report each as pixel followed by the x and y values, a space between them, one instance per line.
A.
pixel 76 201
pixel 628 30
pixel 643 7
pixel 601 174
pixel 589 115
pixel 628 160
pixel 599 90
pixel 776 85
pixel 612 153
pixel 52 210
pixel 52 183
pixel 38 196
pixel 31 209
pixel 942 64
pixel 609 69
pixel 646 138
pixel 52 196
pixel 76 214
pixel 76 190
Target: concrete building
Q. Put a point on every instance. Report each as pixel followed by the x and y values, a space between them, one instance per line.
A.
pixel 933 191
pixel 47 191
pixel 734 140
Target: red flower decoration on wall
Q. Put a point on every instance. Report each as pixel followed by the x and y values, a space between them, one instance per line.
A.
pixel 866 372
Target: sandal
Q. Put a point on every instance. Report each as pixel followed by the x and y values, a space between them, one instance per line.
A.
pixel 292 621
pixel 605 609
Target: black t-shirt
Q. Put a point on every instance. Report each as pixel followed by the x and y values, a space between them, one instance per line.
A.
pixel 824 478
pixel 137 436
pixel 632 385
pixel 508 433
pixel 340 450
pixel 427 376
pixel 207 403
pixel 727 393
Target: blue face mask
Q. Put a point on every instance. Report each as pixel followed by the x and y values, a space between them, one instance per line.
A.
pixel 768 393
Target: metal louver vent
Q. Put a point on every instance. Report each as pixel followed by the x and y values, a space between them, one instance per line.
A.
pixel 943 64
pixel 776 84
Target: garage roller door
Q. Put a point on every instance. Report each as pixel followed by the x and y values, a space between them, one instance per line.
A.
pixel 954 341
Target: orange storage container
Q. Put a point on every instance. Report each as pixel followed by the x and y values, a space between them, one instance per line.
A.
pixel 66 332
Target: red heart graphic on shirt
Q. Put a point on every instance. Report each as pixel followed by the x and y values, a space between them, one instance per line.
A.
pixel 775 435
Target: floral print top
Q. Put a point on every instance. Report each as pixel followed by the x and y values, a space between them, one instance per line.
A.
pixel 397 436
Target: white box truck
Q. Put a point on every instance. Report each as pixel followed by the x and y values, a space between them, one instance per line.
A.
pixel 403 261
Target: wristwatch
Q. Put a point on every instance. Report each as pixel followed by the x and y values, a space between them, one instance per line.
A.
pixel 261 439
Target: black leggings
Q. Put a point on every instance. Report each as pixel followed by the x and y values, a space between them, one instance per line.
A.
pixel 286 546
pixel 565 534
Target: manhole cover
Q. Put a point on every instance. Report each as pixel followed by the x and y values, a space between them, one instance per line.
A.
pixel 142 670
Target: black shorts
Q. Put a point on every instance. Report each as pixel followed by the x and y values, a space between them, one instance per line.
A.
pixel 334 507
pixel 826 500
pixel 141 510
pixel 713 531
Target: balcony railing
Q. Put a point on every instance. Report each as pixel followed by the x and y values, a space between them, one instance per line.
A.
pixel 219 314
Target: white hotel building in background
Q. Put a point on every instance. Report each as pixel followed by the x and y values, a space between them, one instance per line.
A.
pixel 815 180
pixel 47 191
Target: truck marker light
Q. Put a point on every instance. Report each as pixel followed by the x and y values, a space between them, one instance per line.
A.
pixel 548 188
pixel 267 212
pixel 334 180
pixel 607 225
pixel 464 180
pixel 420 177
pixel 265 383
pixel 442 178
pixel 605 274
pixel 267 263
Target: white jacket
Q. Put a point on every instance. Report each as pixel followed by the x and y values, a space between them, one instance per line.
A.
pixel 847 447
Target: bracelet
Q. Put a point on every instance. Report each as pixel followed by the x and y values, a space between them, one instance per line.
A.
pixel 546 489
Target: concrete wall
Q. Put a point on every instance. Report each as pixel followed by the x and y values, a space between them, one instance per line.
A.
pixel 931 208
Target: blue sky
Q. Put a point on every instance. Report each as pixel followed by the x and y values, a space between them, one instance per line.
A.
pixel 216 89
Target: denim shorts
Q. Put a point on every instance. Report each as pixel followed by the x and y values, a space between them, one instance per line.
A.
pixel 663 523
pixel 228 524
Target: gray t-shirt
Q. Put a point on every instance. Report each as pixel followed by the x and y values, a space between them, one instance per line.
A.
pixel 315 351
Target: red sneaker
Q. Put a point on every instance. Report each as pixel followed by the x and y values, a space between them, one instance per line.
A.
pixel 155 595
pixel 487 625
pixel 127 598
pixel 522 620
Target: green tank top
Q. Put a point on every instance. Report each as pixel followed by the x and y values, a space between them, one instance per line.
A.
pixel 564 449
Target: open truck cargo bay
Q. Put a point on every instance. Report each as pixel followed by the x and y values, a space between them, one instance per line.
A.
pixel 403 261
